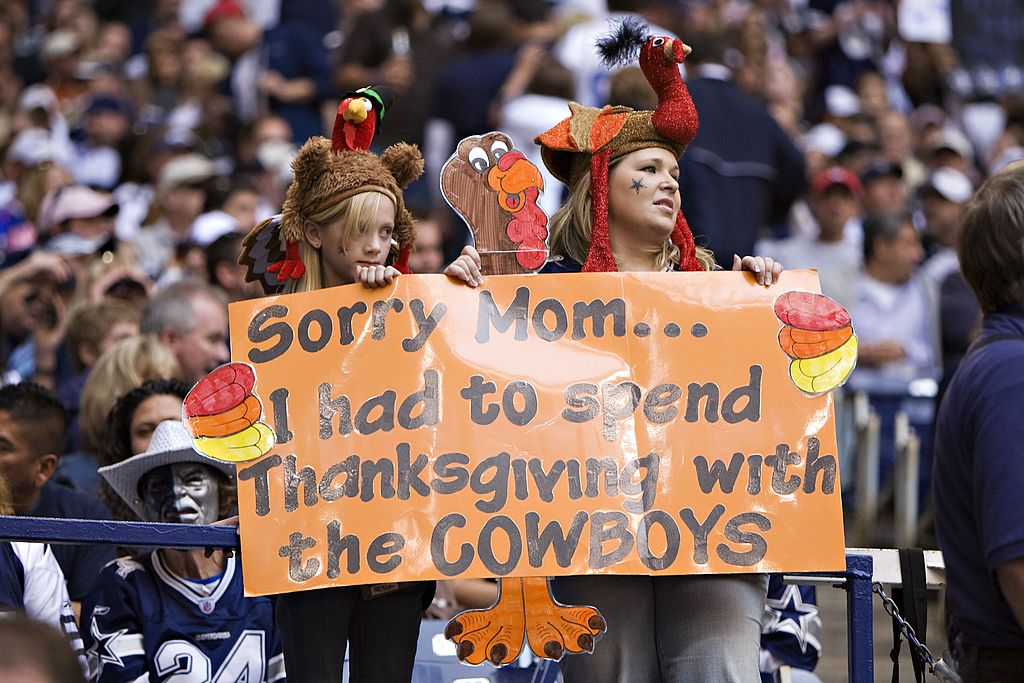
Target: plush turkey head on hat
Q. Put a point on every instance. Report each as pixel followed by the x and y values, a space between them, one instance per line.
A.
pixel 595 137
pixel 329 171
pixel 359 116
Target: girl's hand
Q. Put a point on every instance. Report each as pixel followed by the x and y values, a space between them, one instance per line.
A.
pixel 466 267
pixel 766 269
pixel 373 277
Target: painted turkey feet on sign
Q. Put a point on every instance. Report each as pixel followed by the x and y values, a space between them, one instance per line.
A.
pixel 525 608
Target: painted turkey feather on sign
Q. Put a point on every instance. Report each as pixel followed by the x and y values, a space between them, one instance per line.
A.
pixel 494 188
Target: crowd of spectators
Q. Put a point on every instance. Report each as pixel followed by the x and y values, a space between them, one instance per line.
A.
pixel 140 141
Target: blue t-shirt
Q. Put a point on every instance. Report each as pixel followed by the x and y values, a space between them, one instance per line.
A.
pixel 979 481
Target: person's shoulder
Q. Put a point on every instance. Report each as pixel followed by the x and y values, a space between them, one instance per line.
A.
pixel 29 553
pixel 793 250
pixel 1003 351
pixel 561 264
pixel 67 503
pixel 132 574
pixel 995 367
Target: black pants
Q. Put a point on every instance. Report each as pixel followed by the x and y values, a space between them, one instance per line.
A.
pixel 990 665
pixel 380 632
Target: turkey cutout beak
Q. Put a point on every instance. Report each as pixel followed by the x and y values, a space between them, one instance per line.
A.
pixel 511 177
pixel 356 111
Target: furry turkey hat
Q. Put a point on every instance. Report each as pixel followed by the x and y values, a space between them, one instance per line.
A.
pixel 270 252
pixel 591 139
pixel 323 178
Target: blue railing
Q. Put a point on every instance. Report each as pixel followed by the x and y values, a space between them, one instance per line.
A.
pixel 856 580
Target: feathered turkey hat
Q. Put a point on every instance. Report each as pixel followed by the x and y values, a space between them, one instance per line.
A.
pixel 322 177
pixel 592 138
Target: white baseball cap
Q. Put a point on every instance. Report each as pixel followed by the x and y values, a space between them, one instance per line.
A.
pixel 950 184
pixel 185 170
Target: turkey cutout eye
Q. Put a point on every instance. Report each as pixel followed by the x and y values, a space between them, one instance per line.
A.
pixel 498 148
pixel 478 159
pixel 658 42
pixel 368 103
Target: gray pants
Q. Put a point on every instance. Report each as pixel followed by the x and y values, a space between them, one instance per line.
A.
pixel 669 629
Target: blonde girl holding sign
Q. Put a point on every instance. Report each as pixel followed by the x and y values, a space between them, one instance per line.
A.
pixel 344 221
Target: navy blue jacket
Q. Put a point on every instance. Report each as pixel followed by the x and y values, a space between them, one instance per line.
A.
pixel 740 173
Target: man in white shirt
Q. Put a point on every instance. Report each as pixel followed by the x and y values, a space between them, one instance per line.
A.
pixel 835 198
pixel 895 314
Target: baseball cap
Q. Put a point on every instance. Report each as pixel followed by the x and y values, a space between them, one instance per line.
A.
pixel 841 101
pixel 59 43
pixel 79 201
pixel 224 9
pixel 836 175
pixel 953 140
pixel 105 103
pixel 950 184
pixel 187 169
pixel 881 169
pixel 825 138
pixel 32 147
pixel 38 96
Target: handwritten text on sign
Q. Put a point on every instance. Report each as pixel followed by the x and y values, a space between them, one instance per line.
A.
pixel 540 426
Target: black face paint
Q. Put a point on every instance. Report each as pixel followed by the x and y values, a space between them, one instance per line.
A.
pixel 182 493
pixel 638 184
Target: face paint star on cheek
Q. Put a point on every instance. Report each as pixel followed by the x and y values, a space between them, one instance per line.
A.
pixel 638 184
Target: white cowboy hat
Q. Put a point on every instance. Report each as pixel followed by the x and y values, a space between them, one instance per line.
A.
pixel 171 444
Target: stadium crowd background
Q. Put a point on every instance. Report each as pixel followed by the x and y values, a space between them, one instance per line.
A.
pixel 140 141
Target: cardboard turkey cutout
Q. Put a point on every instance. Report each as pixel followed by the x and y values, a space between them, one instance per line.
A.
pixel 494 188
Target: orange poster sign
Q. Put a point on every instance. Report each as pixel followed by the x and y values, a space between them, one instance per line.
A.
pixel 541 426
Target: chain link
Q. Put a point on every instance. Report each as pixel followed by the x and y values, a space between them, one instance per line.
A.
pixel 938 668
pixel 893 611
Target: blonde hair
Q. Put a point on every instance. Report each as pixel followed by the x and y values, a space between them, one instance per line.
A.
pixel 356 214
pixel 571 226
pixel 123 367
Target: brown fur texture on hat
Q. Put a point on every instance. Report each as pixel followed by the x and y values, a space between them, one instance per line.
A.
pixel 323 178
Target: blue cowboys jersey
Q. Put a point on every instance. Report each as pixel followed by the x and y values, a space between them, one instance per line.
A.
pixel 143 623
pixel 790 629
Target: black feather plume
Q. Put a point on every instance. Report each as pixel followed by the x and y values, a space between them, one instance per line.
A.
pixel 623 44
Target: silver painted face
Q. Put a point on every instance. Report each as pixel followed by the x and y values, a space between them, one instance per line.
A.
pixel 182 493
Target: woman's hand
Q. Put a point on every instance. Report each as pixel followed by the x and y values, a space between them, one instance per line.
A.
pixel 466 267
pixel 766 269
pixel 373 277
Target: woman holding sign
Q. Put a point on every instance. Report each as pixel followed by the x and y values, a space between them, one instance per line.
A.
pixel 623 214
pixel 344 221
